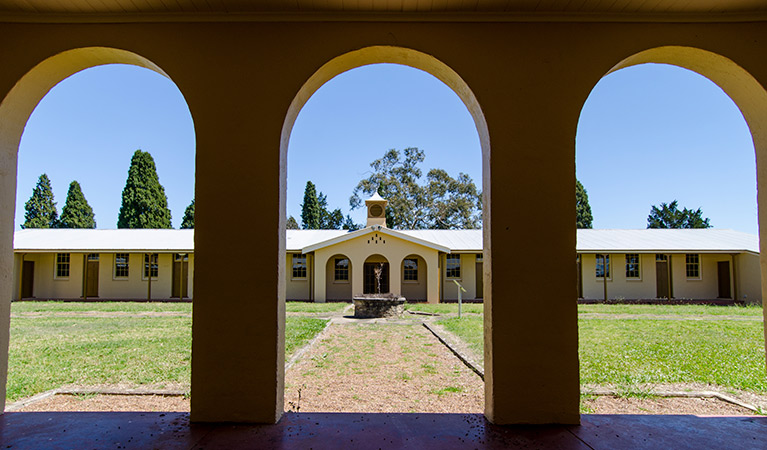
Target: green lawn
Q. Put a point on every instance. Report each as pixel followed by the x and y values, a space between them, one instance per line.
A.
pixel 626 353
pixel 446 308
pixel 49 351
pixel 306 307
pixel 664 310
pixel 130 307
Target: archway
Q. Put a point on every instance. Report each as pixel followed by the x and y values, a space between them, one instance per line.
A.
pixel 413 271
pixel 376 275
pixel 751 99
pixel 15 110
pixel 338 278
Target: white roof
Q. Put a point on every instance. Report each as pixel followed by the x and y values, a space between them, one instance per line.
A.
pixel 589 241
pixel 106 241
pixel 376 229
pixel 708 240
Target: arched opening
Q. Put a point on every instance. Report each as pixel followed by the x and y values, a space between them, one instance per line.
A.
pixel 81 271
pixel 376 275
pixel 338 278
pixel 637 266
pixel 414 282
pixel 388 260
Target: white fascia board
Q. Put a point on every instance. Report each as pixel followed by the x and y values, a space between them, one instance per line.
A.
pixel 374 229
pixel 668 252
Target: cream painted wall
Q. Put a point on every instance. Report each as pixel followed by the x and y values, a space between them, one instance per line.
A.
pixel 414 290
pixel 337 290
pixel 394 249
pixel 47 286
pixel 706 287
pixel 298 288
pixel 468 278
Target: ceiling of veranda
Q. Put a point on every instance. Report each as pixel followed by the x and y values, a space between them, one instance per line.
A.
pixel 28 10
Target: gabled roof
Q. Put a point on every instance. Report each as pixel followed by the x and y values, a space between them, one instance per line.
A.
pixel 107 241
pixel 375 229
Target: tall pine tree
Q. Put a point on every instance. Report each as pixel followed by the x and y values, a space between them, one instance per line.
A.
pixel 144 204
pixel 40 208
pixel 188 221
pixel 583 217
pixel 311 213
pixel 76 213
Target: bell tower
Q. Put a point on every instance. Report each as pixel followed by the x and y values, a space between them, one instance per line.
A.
pixel 376 210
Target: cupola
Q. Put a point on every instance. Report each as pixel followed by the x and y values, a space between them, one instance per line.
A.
pixel 376 210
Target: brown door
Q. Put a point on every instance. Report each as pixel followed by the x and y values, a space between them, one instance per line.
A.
pixel 661 277
pixel 371 279
pixel 27 279
pixel 723 267
pixel 180 277
pixel 480 276
pixel 92 287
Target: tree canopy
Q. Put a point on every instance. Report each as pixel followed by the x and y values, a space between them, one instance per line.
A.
pixel 40 209
pixel 669 216
pixel 291 223
pixel 76 213
pixel 315 214
pixel 583 217
pixel 188 221
pixel 144 203
pixel 442 202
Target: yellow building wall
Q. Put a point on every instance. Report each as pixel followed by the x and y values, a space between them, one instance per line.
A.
pixel 341 289
pixel 414 290
pixel 133 287
pixel 298 288
pixel 749 278
pixel 618 285
pixel 468 278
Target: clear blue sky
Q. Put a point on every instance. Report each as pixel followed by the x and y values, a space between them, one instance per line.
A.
pixel 647 134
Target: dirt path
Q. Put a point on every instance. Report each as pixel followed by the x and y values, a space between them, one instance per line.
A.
pixel 382 367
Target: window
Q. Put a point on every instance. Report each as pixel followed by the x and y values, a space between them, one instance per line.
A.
pixel 661 257
pixel 601 266
pixel 693 265
pixel 299 266
pixel 342 269
pixel 632 265
pixel 453 269
pixel 93 256
pixel 62 265
pixel 155 268
pixel 480 257
pixel 411 269
pixel 121 265
pixel 180 257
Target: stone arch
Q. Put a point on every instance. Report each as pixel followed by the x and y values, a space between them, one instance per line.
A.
pixel 15 110
pixel 414 286
pixel 338 286
pixel 748 95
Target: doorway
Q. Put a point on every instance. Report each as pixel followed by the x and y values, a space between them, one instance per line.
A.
pixel 371 273
pixel 723 269
pixel 662 277
pixel 180 287
pixel 27 279
pixel 92 275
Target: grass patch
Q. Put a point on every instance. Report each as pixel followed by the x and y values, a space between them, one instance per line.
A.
pixel 446 390
pixel 306 307
pixel 673 310
pixel 446 308
pixel 128 307
pixel 49 351
pixel 632 352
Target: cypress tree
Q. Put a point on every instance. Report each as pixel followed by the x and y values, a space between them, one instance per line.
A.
pixel 291 224
pixel 188 221
pixel 76 213
pixel 583 217
pixel 40 208
pixel 144 204
pixel 310 208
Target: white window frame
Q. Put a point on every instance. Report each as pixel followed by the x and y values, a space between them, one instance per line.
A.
pixel 609 266
pixel 144 276
pixel 115 276
pixel 67 264
pixel 405 269
pixel 638 277
pixel 453 256
pixel 687 265
pixel 293 266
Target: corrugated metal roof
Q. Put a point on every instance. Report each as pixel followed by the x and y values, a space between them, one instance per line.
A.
pixel 79 240
pixel 589 241
pixel 668 241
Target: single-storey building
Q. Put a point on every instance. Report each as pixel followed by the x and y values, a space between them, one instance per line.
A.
pixel 421 265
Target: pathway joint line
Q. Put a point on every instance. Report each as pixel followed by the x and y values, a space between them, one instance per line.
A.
pixel 467 361
pixel 300 352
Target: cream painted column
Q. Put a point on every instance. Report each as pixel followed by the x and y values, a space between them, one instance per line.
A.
pixel 432 276
pixel 320 275
pixel 7 285
pixel 358 275
pixel 395 275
